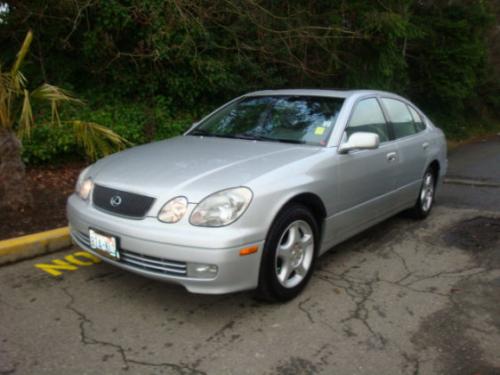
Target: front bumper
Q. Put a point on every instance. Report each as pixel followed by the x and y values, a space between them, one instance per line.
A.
pixel 148 248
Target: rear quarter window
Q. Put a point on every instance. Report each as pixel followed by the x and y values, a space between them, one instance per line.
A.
pixel 417 119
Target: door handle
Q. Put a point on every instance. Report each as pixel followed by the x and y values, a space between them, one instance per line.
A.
pixel 425 145
pixel 391 156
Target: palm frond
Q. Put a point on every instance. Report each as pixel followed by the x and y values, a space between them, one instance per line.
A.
pixel 7 96
pixel 18 82
pixel 15 104
pixel 55 113
pixel 26 117
pixel 12 87
pixel 53 93
pixel 96 139
pixel 22 53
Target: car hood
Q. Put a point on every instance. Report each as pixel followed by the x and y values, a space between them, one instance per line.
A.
pixel 194 166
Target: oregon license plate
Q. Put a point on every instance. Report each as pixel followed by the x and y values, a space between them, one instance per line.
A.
pixel 104 243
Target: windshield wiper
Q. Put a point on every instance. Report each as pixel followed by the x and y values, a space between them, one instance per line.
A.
pixel 205 133
pixel 259 137
pixel 247 136
pixel 296 141
pixel 202 132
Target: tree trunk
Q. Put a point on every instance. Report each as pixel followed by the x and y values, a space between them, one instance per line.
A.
pixel 14 192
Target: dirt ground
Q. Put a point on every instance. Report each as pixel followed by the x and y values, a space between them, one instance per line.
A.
pixel 50 186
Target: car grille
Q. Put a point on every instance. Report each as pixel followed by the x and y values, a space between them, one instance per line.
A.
pixel 153 264
pixel 81 237
pixel 125 203
pixel 141 261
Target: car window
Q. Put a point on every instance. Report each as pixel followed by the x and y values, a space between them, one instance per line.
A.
pixel 400 117
pixel 280 118
pixel 417 119
pixel 367 116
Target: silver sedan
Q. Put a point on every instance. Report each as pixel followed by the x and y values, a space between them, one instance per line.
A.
pixel 251 195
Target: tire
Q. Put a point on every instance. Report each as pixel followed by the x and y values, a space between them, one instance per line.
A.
pixel 289 255
pixel 426 195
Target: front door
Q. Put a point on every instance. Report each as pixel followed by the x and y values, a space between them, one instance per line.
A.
pixel 364 178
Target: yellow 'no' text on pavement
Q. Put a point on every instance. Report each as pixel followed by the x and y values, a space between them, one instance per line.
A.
pixel 71 263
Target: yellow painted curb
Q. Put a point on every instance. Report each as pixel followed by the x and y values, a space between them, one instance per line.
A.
pixel 15 249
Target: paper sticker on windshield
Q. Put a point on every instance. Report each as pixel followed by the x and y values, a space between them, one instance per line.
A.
pixel 326 123
pixel 319 130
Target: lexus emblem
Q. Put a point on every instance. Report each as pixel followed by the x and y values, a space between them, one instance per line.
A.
pixel 115 200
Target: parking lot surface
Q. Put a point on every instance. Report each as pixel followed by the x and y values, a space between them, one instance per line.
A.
pixel 405 297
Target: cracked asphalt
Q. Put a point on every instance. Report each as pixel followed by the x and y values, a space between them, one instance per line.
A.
pixel 405 297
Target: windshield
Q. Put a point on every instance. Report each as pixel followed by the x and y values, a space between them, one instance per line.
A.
pixel 293 119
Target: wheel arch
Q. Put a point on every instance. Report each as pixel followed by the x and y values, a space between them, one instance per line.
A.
pixel 266 289
pixel 313 202
pixel 436 168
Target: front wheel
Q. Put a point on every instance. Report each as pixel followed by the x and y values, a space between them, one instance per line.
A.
pixel 289 254
pixel 425 198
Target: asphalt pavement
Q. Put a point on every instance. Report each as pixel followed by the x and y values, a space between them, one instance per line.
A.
pixel 474 175
pixel 405 297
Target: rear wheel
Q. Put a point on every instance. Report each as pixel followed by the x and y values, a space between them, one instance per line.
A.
pixel 289 254
pixel 425 198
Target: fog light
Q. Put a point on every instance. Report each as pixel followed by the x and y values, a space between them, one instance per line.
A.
pixel 202 271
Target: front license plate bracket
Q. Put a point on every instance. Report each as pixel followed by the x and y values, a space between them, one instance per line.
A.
pixel 105 244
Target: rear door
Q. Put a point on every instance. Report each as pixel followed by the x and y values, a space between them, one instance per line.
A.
pixel 412 146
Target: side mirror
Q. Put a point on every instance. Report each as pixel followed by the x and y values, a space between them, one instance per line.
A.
pixel 360 141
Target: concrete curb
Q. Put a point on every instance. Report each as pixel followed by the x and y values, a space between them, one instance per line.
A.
pixel 471 182
pixel 19 248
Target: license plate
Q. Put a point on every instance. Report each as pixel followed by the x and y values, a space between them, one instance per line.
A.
pixel 103 243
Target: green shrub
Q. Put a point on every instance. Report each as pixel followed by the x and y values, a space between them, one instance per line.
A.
pixel 51 144
pixel 150 69
pixel 138 122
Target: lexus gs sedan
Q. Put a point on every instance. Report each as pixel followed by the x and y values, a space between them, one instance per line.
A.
pixel 252 194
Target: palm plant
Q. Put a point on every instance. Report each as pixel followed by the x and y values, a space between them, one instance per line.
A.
pixel 17 121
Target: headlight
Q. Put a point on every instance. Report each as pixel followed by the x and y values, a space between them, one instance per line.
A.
pixel 83 190
pixel 84 185
pixel 221 208
pixel 173 210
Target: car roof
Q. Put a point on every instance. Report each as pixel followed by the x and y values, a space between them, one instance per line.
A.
pixel 321 92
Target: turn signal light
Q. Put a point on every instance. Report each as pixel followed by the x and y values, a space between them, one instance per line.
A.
pixel 249 250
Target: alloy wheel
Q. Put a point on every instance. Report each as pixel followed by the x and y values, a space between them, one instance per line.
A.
pixel 294 254
pixel 427 192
